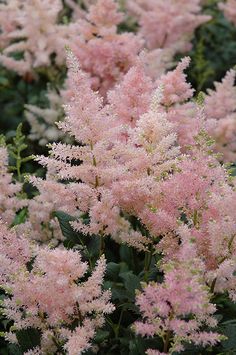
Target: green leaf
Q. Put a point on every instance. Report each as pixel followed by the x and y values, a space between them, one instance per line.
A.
pixel 131 283
pixel 28 338
pixel 229 330
pixel 112 271
pixel 101 336
pixel 20 217
pixel 64 219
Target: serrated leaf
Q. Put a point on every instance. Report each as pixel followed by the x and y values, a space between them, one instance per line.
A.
pixel 101 336
pixel 131 283
pixel 112 271
pixel 64 219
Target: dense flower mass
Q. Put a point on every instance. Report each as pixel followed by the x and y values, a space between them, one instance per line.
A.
pixel 168 23
pixel 146 176
pixel 104 53
pixel 67 312
pixel 177 309
pixel 34 33
pixel 220 104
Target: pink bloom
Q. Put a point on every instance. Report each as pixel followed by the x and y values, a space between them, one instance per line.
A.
pixel 34 19
pixel 175 87
pixel 10 202
pixel 168 23
pixel 166 307
pixel 59 297
pixel 229 9
pixel 103 53
pixel 220 105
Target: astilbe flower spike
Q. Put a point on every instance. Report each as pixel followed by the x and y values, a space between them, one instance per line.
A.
pixel 177 102
pixel 178 308
pixel 102 52
pixel 168 24
pixel 34 19
pixel 10 202
pixel 229 9
pixel 216 114
pixel 220 105
pixel 65 310
pixel 43 120
pixel 112 155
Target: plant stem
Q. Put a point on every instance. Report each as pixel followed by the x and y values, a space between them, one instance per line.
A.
pixel 213 285
pixel 167 341
pixel 102 245
pixel 147 264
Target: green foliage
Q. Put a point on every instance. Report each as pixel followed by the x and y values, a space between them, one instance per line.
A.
pixel 28 338
pixel 16 150
pixel 214 49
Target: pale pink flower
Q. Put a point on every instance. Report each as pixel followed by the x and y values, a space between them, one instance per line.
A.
pixel 131 98
pixel 220 105
pixel 175 87
pixel 102 52
pixel 10 201
pixel 43 120
pixel 116 159
pixel 177 309
pixel 35 19
pixel 58 298
pixel 168 23
pixel 229 9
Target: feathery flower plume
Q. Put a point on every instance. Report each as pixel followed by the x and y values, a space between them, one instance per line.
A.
pixel 168 23
pixel 102 52
pixel 66 310
pixel 229 9
pixel 34 19
pixel 10 203
pixel 220 105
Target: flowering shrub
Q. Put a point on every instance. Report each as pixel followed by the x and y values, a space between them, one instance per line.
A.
pixel 121 239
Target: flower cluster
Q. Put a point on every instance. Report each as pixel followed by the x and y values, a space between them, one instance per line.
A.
pixel 137 164
pixel 220 105
pixel 168 23
pixel 102 52
pixel 43 120
pixel 66 310
pixel 229 9
pixel 132 166
pixel 10 202
pixel 34 34
pixel 177 309
pixel 115 157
